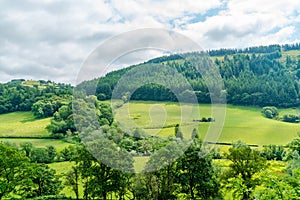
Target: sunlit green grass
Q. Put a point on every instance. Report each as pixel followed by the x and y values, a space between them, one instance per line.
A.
pixel 241 122
pixel 22 124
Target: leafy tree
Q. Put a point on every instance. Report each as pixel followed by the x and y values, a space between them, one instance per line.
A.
pixel 72 180
pixel 271 152
pixel 100 179
pixel 67 153
pixel 195 134
pixel 241 177
pixel 13 169
pixel 274 187
pixel 62 121
pixel 178 133
pixel 27 148
pixel 44 182
pixel 43 155
pixel 89 113
pixel 51 153
pixel 138 134
pixel 295 144
pixel 138 187
pixel 291 118
pixel 196 173
pixel 161 172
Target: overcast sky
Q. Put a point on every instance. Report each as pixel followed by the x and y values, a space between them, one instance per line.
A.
pixel 50 39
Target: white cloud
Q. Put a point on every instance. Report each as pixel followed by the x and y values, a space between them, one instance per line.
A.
pixel 50 39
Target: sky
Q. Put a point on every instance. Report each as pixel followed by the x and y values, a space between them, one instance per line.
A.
pixel 51 39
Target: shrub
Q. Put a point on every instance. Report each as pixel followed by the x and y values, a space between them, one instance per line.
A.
pixel 270 112
pixel 290 118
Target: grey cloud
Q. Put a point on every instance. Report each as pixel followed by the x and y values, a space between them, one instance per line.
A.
pixel 227 31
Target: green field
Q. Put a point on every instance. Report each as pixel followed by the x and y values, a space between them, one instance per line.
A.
pixel 241 122
pixel 22 124
pixel 23 127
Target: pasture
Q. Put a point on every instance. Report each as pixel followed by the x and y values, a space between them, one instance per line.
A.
pixel 22 124
pixel 243 123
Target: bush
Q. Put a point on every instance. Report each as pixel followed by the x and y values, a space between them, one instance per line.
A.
pixel 270 112
pixel 290 118
pixel 271 152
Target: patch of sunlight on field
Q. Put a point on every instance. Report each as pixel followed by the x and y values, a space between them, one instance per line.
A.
pixel 22 124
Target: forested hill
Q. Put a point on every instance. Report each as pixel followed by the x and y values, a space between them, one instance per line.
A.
pixel 43 96
pixel 261 76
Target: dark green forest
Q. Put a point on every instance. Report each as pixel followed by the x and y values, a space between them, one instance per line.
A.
pixel 258 76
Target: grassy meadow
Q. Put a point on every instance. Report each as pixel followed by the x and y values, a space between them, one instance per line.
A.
pixel 22 124
pixel 19 127
pixel 241 122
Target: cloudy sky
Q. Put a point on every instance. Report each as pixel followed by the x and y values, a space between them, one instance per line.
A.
pixel 50 39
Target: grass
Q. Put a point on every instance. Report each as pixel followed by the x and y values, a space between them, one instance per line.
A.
pixel 241 123
pixel 139 163
pixel 61 169
pixel 22 124
pixel 23 127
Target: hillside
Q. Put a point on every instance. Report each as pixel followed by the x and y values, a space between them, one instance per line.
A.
pixel 22 124
pixel 20 94
pixel 257 76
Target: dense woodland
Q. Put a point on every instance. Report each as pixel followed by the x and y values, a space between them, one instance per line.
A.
pixel 259 76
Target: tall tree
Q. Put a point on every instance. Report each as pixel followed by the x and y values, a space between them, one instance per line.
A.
pixel 13 169
pixel 197 176
pixel 98 171
pixel 161 172
pixel 44 181
pixel 245 164
pixel 72 180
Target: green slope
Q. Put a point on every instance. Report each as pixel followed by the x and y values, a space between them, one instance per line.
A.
pixel 22 124
pixel 19 127
pixel 241 123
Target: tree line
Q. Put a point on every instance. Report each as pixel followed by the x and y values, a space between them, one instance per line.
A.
pixel 168 174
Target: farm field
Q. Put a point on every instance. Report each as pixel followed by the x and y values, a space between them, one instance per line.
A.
pixel 159 118
pixel 19 127
pixel 241 122
pixel 22 124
